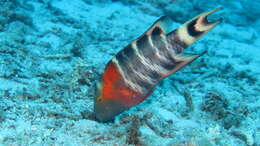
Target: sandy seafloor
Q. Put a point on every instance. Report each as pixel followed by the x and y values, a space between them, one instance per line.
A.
pixel 52 52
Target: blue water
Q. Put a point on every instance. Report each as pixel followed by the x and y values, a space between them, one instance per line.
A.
pixel 53 51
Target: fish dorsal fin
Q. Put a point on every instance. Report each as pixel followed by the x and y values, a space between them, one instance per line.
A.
pixel 184 59
pixel 163 23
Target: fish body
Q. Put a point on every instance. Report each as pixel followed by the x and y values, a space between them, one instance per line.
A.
pixel 133 73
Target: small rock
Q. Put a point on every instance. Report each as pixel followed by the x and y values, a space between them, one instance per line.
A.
pixel 245 136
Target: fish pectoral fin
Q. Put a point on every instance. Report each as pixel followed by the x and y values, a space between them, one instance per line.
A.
pixel 184 59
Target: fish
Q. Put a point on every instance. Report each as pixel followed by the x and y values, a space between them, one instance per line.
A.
pixel 133 73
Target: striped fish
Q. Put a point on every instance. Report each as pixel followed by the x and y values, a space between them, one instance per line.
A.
pixel 131 76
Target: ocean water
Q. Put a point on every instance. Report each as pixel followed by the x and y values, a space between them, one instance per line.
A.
pixel 53 51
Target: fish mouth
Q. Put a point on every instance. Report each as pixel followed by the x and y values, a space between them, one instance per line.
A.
pixel 106 110
pixel 203 24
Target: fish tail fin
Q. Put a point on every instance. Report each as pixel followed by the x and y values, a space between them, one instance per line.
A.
pixel 192 30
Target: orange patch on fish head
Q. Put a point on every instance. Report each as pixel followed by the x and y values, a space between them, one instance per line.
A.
pixel 113 87
pixel 113 96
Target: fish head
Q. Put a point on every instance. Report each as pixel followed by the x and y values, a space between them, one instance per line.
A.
pixel 105 109
pixel 112 95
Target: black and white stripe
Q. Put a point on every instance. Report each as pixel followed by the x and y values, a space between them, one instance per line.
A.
pixel 145 61
pixel 154 55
